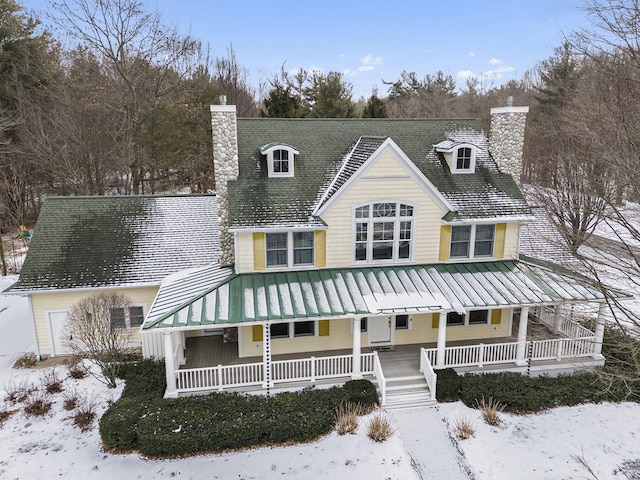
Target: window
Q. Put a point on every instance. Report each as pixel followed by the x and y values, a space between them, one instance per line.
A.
pixel 463 158
pixel 279 330
pixel 294 329
pixel 363 324
pixel 402 322
pixel 472 241
pixel 280 159
pixel 383 231
pixel 304 329
pixel 130 317
pixel 289 249
pixel 473 317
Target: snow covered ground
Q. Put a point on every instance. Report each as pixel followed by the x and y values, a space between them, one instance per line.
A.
pixel 562 443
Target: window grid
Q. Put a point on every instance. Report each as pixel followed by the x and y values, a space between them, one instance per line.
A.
pixel 463 159
pixel 281 161
pixel 290 249
pixel 463 237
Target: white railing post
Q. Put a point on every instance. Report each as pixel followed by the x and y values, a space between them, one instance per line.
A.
pixel 522 336
pixel 442 340
pixel 170 366
pixel 599 338
pixel 382 383
pixel 313 369
pixel 560 349
pixel 557 318
pixel 356 372
pixel 220 378
pixel 481 355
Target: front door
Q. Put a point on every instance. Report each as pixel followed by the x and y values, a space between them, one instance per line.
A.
pixel 60 334
pixel 379 330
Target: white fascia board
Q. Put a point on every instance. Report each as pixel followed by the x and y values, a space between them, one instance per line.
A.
pixel 413 171
pixel 512 219
pixel 222 108
pixel 275 229
pixel 509 110
pixel 82 289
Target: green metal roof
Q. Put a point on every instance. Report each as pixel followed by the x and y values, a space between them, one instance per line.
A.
pixel 338 293
pixel 326 149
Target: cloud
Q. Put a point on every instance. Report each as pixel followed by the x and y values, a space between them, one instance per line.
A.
pixel 471 54
pixel 371 60
pixel 495 61
pixel 366 68
pixel 497 73
pixel 464 74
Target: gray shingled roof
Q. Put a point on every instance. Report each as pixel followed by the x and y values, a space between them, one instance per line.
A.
pixel 118 240
pixel 331 150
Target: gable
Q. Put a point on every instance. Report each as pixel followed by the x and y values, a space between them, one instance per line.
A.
pixel 389 168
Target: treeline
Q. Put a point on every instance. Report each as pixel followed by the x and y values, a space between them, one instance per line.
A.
pixel 126 109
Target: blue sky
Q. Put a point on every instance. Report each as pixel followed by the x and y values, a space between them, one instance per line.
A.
pixel 375 40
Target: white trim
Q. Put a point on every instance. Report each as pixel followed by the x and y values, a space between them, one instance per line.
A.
pixel 278 229
pixel 34 329
pixel 291 329
pixel 402 158
pixel 292 152
pixel 509 110
pixel 487 220
pixel 82 289
pixel 222 108
pixel 396 219
pixel 467 315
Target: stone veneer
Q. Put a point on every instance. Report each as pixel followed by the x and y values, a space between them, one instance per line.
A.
pixel 506 142
pixel 225 164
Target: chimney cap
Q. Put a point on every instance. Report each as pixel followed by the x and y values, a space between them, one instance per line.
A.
pixel 223 99
pixel 510 101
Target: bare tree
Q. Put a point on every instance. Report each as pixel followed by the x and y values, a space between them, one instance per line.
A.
pixel 99 333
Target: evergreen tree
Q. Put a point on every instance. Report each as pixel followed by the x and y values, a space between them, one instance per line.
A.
pixel 375 107
pixel 330 97
pixel 281 102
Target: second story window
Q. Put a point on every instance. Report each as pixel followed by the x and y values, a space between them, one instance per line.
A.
pixel 280 159
pixel 463 158
pixel 289 249
pixel 383 232
pixel 472 241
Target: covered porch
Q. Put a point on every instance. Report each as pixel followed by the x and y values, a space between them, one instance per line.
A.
pixel 533 294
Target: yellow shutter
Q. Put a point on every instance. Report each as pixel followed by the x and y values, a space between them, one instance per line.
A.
pixel 257 333
pixel 259 260
pixel 321 248
pixel 496 316
pixel 435 320
pixel 323 328
pixel 498 248
pixel 445 243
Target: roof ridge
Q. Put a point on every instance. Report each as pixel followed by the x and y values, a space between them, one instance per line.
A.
pixel 129 196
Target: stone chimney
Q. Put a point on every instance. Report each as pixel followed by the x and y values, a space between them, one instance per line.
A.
pixel 506 142
pixel 225 164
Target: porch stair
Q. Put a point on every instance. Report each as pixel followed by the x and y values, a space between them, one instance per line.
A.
pixel 407 392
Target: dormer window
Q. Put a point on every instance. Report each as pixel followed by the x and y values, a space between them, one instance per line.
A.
pixel 280 159
pixel 461 157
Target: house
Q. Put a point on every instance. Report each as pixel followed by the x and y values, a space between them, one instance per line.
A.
pixel 334 249
pixel 129 244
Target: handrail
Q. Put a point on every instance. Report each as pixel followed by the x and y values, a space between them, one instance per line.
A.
pixel 429 374
pixel 382 382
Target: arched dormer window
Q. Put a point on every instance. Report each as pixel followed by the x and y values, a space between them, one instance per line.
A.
pixel 280 159
pixel 461 157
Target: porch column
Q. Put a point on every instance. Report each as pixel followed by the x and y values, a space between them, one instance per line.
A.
pixel 267 381
pixel 597 343
pixel 522 336
pixel 558 312
pixel 170 366
pixel 356 372
pixel 442 340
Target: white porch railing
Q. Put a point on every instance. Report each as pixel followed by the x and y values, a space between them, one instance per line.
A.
pixel 295 370
pixel 491 354
pixel 429 374
pixel 382 382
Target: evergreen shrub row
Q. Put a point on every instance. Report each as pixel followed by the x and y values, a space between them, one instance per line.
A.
pixel 158 427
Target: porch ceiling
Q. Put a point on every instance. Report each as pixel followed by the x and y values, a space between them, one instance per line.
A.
pixel 339 293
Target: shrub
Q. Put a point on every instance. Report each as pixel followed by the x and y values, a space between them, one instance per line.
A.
pixel 448 385
pixel 144 379
pixel 379 428
pixel 347 417
pixel 37 405
pixel 70 399
pixel 119 425
pixel 51 381
pixel 490 410
pixel 5 414
pixel 18 393
pixel 85 414
pixel 76 368
pixel 463 428
pixel 28 360
pixel 362 392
